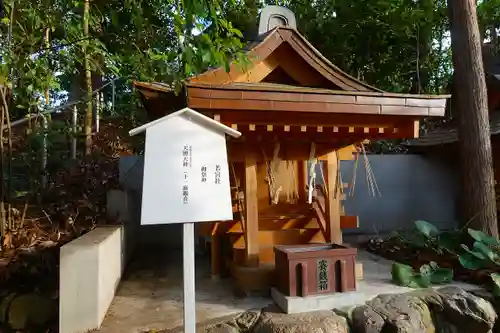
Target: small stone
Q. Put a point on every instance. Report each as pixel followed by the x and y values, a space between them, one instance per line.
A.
pixel 247 319
pixel 309 322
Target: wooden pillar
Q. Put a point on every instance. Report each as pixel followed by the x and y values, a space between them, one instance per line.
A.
pixel 216 257
pixel 251 212
pixel 215 252
pixel 333 206
pixel 303 180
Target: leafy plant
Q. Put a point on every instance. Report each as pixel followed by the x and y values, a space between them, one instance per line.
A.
pixel 426 229
pixel 428 274
pixel 426 235
pixel 484 252
pixel 480 236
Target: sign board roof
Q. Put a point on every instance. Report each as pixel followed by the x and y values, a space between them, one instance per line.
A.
pixel 193 116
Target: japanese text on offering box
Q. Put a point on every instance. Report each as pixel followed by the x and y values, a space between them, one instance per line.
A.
pixel 322 275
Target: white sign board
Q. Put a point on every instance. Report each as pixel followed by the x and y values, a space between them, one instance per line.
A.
pixel 186 175
pixel 186 180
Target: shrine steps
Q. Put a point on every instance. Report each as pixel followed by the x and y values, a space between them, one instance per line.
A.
pixel 273 230
pixel 283 224
pixel 270 223
pixel 281 237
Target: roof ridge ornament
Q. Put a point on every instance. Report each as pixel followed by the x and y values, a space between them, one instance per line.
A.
pixel 275 16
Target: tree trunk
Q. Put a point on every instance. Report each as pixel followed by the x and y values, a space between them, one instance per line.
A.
pixel 471 102
pixel 88 80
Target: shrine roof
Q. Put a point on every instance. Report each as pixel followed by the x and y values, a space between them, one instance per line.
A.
pixel 270 87
pixel 284 69
pixel 264 47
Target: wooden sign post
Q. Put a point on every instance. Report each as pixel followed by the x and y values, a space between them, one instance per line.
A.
pixel 186 180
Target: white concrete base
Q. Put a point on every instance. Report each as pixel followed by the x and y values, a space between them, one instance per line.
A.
pixel 90 270
pixel 315 303
pixel 377 281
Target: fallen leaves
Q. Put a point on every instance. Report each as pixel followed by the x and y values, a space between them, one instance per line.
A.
pixel 72 204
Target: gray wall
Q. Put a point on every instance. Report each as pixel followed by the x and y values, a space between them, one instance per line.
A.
pixel 412 187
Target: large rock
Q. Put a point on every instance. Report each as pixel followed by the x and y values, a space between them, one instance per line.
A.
pixel 447 310
pixel 404 313
pixel 465 312
pixel 273 320
pixel 27 311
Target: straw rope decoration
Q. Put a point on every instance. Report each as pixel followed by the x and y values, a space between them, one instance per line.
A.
pixel 293 191
pixel 271 166
pixel 370 176
pixel 312 172
pixel 371 181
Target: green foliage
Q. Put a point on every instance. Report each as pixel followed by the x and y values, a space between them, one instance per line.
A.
pixel 488 13
pixel 484 252
pixel 429 274
pixel 162 40
pixel 426 235
pixel 480 236
pixel 395 45
pixel 42 61
pixel 426 229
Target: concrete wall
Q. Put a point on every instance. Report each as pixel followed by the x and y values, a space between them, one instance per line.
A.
pixel 164 236
pixel 412 188
pixel 125 206
pixel 90 270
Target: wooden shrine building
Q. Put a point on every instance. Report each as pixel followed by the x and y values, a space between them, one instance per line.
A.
pixel 292 105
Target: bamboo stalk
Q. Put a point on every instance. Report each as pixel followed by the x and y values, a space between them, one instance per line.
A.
pixel 2 167
pixel 88 80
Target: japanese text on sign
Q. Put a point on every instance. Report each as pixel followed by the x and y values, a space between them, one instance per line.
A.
pixel 187 161
pixel 204 174
pixel 217 174
pixel 322 275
